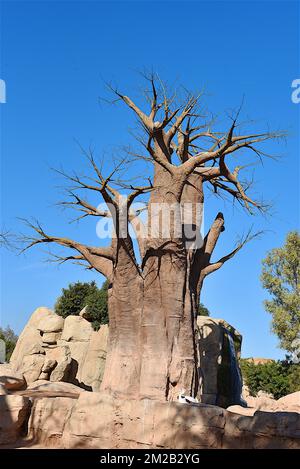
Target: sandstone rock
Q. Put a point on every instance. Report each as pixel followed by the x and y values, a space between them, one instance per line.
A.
pixel 264 395
pixel 35 349
pixel 50 337
pixel 62 355
pixel 265 402
pixel 31 367
pixel 48 419
pixel 44 376
pixel 30 336
pixel 219 348
pixel 53 323
pixel 92 369
pixel 49 365
pixel 84 313
pixel 259 361
pixel 14 411
pixel 145 423
pixel 245 392
pixel 290 402
pixel 153 424
pixel 76 335
pixel 79 351
pixel 42 385
pixel 99 420
pixel 279 424
pixel 237 409
pixel 76 329
pixel 11 379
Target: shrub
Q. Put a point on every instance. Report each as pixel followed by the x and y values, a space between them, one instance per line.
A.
pixel 10 339
pixel 78 295
pixel 203 311
pixel 277 377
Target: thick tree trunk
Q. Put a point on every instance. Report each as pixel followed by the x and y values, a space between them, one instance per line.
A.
pixel 125 300
pixel 152 313
pixel 151 351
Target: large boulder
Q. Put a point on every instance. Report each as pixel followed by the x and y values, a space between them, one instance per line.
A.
pixel 266 402
pixel 48 419
pixel 219 349
pixel 76 329
pixel 60 355
pixel 11 379
pixel 290 403
pixel 52 323
pixel 92 369
pixel 263 401
pixel 57 349
pixel 58 387
pixel 51 329
pixel 88 351
pixel 238 409
pixel 31 366
pixel 30 335
pixel 14 412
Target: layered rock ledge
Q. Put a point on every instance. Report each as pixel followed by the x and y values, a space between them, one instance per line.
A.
pixel 97 420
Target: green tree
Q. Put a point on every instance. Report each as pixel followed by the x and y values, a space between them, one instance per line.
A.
pixel 10 339
pixel 78 295
pixel 279 378
pixel 280 276
pixel 294 377
pixel 96 300
pixel 268 377
pixel 202 310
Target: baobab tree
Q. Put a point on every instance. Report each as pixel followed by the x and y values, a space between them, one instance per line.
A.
pixel 154 294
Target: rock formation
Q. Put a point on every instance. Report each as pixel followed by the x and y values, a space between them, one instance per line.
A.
pixel 56 349
pixel 10 379
pixel 14 414
pixel 98 420
pixel 266 402
pixel 45 397
pixel 219 348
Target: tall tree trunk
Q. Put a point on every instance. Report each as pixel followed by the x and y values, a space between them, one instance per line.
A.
pixel 152 341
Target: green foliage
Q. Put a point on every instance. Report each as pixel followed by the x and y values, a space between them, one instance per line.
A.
pixel 78 295
pixel 277 377
pixel 203 311
pixel 97 305
pixel 10 339
pixel 280 276
pixel 294 378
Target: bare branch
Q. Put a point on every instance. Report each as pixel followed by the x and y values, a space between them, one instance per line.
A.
pixel 146 120
pixel 184 114
pixel 99 258
pixel 217 265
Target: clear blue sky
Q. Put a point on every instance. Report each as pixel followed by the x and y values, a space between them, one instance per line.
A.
pixel 54 59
